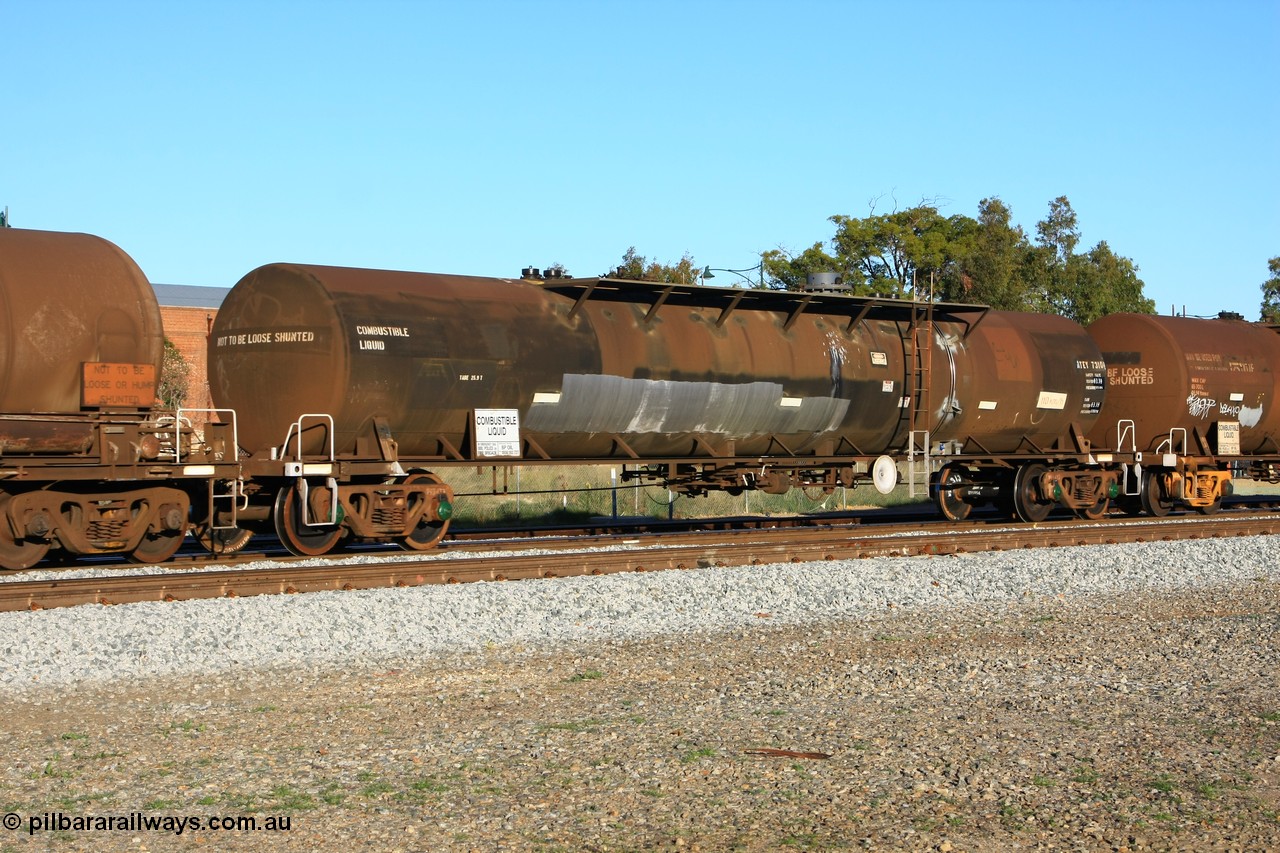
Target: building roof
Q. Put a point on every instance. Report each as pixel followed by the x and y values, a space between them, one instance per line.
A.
pixel 189 295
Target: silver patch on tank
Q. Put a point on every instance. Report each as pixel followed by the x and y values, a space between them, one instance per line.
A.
pixel 839 355
pixel 615 404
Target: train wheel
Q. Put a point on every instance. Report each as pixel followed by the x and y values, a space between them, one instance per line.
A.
pixel 17 554
pixel 1026 503
pixel 1211 509
pixel 951 502
pixel 1098 510
pixel 158 547
pixel 294 534
pixel 429 531
pixel 20 554
pixel 222 540
pixel 1153 503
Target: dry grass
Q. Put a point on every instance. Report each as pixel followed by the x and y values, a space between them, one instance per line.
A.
pixel 561 493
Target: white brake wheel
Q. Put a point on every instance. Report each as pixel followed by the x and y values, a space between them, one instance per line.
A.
pixel 884 474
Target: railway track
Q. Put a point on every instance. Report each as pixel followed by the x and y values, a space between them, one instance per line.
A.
pixel 606 532
pixel 565 559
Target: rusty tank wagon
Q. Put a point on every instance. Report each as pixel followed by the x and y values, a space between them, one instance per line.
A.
pixel 87 465
pixel 1190 399
pixel 697 387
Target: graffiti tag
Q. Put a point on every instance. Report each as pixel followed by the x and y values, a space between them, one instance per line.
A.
pixel 1200 407
pixel 1203 407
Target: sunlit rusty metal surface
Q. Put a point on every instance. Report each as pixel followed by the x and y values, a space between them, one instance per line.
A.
pixel 669 371
pixel 1018 377
pixel 421 351
pixel 66 299
pixel 25 434
pixel 1175 372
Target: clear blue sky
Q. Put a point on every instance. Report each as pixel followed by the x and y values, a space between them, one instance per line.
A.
pixel 480 137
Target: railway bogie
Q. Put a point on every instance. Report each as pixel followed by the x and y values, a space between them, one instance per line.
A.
pixel 1027 490
pixel 128 488
pixel 316 508
pixel 1199 488
pixel 311 516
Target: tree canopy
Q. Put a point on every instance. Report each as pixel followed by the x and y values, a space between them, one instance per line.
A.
pixel 918 252
pixel 639 268
pixel 175 377
pixel 1271 293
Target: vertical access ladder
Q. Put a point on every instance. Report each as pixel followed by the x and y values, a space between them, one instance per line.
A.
pixel 919 455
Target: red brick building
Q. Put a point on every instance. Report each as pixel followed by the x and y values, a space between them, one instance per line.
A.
pixel 187 313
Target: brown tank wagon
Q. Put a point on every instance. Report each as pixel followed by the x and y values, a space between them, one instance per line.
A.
pixel 600 368
pixel 1026 389
pixel 67 300
pixel 86 464
pixel 702 388
pixel 1191 396
pixel 1016 382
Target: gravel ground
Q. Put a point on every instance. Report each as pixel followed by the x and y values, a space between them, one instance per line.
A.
pixel 1112 697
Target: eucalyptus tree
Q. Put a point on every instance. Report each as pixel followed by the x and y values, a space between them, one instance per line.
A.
pixel 639 268
pixel 1271 293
